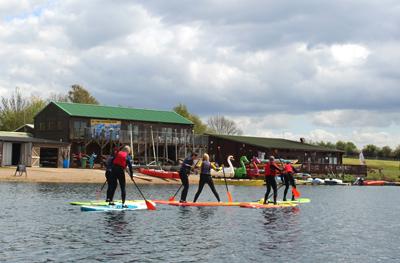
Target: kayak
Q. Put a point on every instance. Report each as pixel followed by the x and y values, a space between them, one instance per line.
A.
pixel 116 207
pixel 370 182
pixel 261 206
pixel 104 203
pixel 159 173
pixel 176 203
pixel 297 201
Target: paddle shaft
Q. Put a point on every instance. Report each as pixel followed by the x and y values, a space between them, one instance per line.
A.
pixel 138 189
pixel 177 191
pixel 223 172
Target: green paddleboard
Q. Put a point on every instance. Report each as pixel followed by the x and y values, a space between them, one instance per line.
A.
pixel 297 201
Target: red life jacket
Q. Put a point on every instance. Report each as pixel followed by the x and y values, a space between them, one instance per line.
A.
pixel 288 168
pixel 269 171
pixel 120 159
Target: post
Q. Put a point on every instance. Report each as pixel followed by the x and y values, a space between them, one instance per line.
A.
pixel 184 133
pixel 145 145
pixel 193 140
pixel 176 146
pixel 152 141
pixel 131 135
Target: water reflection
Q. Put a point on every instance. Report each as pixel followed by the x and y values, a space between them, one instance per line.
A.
pixel 117 224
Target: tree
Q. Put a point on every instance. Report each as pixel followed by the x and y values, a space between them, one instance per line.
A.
pixel 341 145
pixel 396 152
pixel 17 110
pixel 199 127
pixel 221 125
pixel 370 150
pixel 386 152
pixel 79 94
pixel 58 97
pixel 351 149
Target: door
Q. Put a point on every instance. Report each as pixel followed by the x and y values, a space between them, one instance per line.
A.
pixel 35 156
pixel 7 153
pixel 26 154
pixel 16 154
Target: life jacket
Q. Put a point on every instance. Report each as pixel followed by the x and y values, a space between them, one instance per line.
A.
pixel 288 168
pixel 269 171
pixel 120 159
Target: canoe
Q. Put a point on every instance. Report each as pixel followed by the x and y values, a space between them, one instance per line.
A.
pixel 116 207
pixel 159 173
pixel 372 182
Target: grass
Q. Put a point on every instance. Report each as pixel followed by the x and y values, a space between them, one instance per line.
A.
pixel 379 169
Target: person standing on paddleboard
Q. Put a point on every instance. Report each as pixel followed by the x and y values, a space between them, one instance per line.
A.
pixel 271 170
pixel 184 173
pixel 205 177
pixel 288 178
pixel 121 160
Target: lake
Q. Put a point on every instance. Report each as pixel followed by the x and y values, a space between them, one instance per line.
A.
pixel 341 224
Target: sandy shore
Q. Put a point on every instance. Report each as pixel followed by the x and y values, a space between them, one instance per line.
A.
pixel 72 175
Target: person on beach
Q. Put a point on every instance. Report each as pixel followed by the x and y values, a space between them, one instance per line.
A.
pixel 271 170
pixel 184 173
pixel 205 177
pixel 288 178
pixel 121 160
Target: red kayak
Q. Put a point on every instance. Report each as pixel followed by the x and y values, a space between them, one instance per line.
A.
pixel 159 173
pixel 371 182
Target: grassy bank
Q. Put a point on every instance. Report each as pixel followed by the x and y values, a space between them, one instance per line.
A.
pixel 379 169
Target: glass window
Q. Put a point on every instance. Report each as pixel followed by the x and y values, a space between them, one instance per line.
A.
pixel 59 125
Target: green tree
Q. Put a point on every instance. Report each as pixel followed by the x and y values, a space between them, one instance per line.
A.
pixel 222 125
pixel 79 94
pixel 341 145
pixel 17 110
pixel 370 150
pixel 351 149
pixel 396 152
pixel 199 127
pixel 58 97
pixel 386 152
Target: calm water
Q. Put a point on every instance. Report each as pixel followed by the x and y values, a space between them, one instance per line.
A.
pixel 341 224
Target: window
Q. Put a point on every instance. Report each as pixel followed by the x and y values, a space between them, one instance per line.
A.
pixel 42 126
pixel 79 129
pixel 59 125
pixel 52 125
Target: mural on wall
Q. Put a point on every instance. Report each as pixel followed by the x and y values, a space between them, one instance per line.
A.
pixel 105 129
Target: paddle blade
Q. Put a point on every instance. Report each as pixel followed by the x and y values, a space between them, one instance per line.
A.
pixel 229 197
pixel 295 192
pixel 172 198
pixel 150 206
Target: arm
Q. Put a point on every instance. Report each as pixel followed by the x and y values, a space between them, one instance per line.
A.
pixel 129 163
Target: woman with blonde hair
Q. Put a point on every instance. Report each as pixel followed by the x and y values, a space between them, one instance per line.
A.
pixel 205 177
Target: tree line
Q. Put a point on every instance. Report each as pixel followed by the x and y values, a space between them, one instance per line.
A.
pixel 17 110
pixel 370 150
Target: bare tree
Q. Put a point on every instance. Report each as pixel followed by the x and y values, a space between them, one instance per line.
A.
pixel 221 125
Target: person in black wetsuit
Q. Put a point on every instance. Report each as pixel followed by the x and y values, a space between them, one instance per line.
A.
pixel 205 177
pixel 184 173
pixel 271 170
pixel 288 179
pixel 121 160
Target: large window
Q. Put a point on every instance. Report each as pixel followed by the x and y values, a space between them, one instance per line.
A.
pixel 79 129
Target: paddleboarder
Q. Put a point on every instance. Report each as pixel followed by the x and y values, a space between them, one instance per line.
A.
pixel 184 173
pixel 121 160
pixel 271 170
pixel 288 179
pixel 205 177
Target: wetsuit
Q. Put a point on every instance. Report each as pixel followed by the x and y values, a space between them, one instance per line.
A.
pixel 109 164
pixel 121 160
pixel 183 174
pixel 205 178
pixel 271 169
pixel 288 179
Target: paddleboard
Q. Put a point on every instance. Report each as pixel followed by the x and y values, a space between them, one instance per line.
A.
pixel 116 207
pixel 103 203
pixel 261 206
pixel 297 201
pixel 176 203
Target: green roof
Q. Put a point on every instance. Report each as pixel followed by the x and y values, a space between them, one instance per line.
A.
pixel 121 113
pixel 274 143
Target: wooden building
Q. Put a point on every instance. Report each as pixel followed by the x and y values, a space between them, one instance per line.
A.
pixel 155 135
pixel 22 148
pixel 315 159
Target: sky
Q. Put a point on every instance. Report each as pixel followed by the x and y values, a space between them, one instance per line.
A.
pixel 322 70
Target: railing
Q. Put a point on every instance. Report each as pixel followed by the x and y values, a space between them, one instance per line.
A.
pixel 124 136
pixel 334 169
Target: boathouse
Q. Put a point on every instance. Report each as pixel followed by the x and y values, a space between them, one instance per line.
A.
pixel 155 135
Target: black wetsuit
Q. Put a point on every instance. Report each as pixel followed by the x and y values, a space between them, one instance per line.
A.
pixel 118 175
pixel 270 181
pixel 288 179
pixel 183 174
pixel 205 178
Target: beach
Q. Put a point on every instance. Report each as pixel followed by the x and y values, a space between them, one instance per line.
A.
pixel 73 175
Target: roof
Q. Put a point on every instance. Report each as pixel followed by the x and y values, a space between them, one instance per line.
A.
pixel 121 113
pixel 30 126
pixel 274 143
pixel 25 137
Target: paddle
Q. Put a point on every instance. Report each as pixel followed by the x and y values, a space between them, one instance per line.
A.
pixel 295 192
pixel 98 192
pixel 149 205
pixel 172 198
pixel 223 172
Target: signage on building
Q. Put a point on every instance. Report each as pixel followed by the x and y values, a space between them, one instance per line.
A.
pixel 108 129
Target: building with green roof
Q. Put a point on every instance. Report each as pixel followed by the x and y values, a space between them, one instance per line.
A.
pixel 155 135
